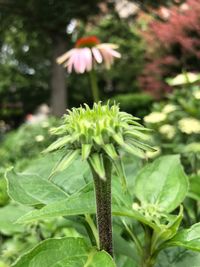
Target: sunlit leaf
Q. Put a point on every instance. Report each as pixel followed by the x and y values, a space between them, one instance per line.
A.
pixel 64 252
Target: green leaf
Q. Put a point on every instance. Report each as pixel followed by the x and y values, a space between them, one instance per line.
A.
pixel 8 216
pixel 122 246
pixel 96 161
pixel 162 183
pixel 65 162
pixel 62 141
pixel 64 252
pixel 31 189
pixel 98 259
pixel 178 257
pixel 75 205
pixel 187 238
pixel 70 180
pixel 81 204
pixel 166 232
pixel 173 225
pixel 194 191
pixel 130 213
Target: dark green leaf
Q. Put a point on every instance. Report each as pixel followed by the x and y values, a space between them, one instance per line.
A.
pixel 31 189
pixel 187 238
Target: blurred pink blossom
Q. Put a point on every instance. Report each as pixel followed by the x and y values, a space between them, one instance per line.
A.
pixel 87 51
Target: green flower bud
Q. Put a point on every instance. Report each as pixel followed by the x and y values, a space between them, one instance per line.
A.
pixel 99 131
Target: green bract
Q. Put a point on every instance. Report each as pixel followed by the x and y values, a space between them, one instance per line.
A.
pixel 96 132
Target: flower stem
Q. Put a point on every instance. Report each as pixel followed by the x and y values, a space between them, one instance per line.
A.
pixel 94 86
pixel 103 205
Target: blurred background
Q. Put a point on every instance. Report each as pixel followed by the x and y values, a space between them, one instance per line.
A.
pixel 157 78
pixel 157 40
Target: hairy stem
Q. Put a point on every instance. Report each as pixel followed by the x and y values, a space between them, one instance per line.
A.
pixel 103 205
pixel 94 86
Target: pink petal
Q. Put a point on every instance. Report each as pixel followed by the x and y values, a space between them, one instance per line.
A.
pixel 69 63
pixel 81 61
pixel 97 55
pixel 65 56
pixel 107 45
pixel 88 59
pixel 114 53
pixel 108 53
pixel 108 58
pixel 77 66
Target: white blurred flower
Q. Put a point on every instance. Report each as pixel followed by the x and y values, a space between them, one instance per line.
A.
pixel 45 124
pixel 155 117
pixel 167 130
pixel 39 138
pixel 189 125
pixel 169 108
pixel 126 8
pixel 184 78
pixel 196 94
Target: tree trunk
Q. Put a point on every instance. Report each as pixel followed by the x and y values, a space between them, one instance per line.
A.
pixel 58 83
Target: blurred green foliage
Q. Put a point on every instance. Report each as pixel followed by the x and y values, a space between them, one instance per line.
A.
pixel 4 199
pixel 25 143
pixel 176 124
pixel 136 103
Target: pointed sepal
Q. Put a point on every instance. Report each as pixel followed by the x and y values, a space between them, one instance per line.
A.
pixel 58 144
pixel 110 151
pixel 96 160
pixel 134 150
pixel 65 162
pixel 119 167
pixel 85 151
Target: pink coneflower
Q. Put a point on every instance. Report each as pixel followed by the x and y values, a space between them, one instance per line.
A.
pixel 86 52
